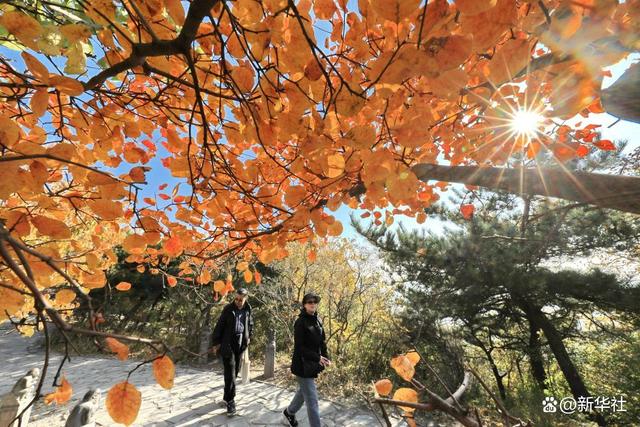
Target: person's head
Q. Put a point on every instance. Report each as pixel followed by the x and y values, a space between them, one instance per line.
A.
pixel 310 302
pixel 241 297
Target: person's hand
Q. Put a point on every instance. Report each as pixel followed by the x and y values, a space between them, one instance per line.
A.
pixel 324 361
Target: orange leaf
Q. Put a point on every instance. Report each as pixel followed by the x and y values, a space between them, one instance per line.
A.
pixel 406 395
pixel 413 357
pixel 36 67
pixel 467 211
pixel 257 277
pixel 172 281
pixel 383 387
pixel 248 276
pixel 61 395
pixel 123 286
pixel 123 403
pixel 51 227
pixel 175 10
pixel 164 371
pixel 403 367
pixel 121 350
pixel 173 246
pixel 39 102
pixel 334 166
pixel 67 85
pixel 219 286
pixel 311 256
pixel 474 7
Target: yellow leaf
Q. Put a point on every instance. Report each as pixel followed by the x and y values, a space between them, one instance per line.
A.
pixel 164 371
pixel 123 403
pixel 406 395
pixel 242 266
pixel 76 60
pixel 121 350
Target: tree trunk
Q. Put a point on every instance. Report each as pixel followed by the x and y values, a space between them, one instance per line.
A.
pixel 621 98
pixel 270 354
pixel 536 360
pixel 494 368
pixel 606 191
pixel 572 376
pixel 205 336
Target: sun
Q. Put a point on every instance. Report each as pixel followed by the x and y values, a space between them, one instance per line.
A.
pixel 526 123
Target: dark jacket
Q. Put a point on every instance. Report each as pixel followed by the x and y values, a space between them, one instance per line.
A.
pixel 309 342
pixel 225 331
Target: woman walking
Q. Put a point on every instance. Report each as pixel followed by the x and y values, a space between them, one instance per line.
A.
pixel 309 359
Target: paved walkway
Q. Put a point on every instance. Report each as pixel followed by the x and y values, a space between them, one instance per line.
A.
pixel 193 401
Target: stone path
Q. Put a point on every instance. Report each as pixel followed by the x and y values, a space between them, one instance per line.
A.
pixel 193 401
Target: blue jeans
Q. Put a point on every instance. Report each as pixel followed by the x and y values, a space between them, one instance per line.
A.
pixel 307 394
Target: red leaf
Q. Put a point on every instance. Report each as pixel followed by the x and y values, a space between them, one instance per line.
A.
pixel 605 144
pixel 467 211
pixel 582 151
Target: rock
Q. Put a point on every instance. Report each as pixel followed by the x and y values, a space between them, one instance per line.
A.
pixel 83 414
pixel 14 402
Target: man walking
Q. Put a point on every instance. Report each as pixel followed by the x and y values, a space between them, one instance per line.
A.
pixel 231 336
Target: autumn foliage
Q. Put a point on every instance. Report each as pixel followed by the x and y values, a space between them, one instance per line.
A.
pixel 263 117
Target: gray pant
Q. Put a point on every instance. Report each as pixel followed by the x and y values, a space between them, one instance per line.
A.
pixel 307 394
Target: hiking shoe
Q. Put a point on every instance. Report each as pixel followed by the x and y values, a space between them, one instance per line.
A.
pixel 231 409
pixel 289 419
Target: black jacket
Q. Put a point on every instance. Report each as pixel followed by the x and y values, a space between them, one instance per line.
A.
pixel 224 332
pixel 309 342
